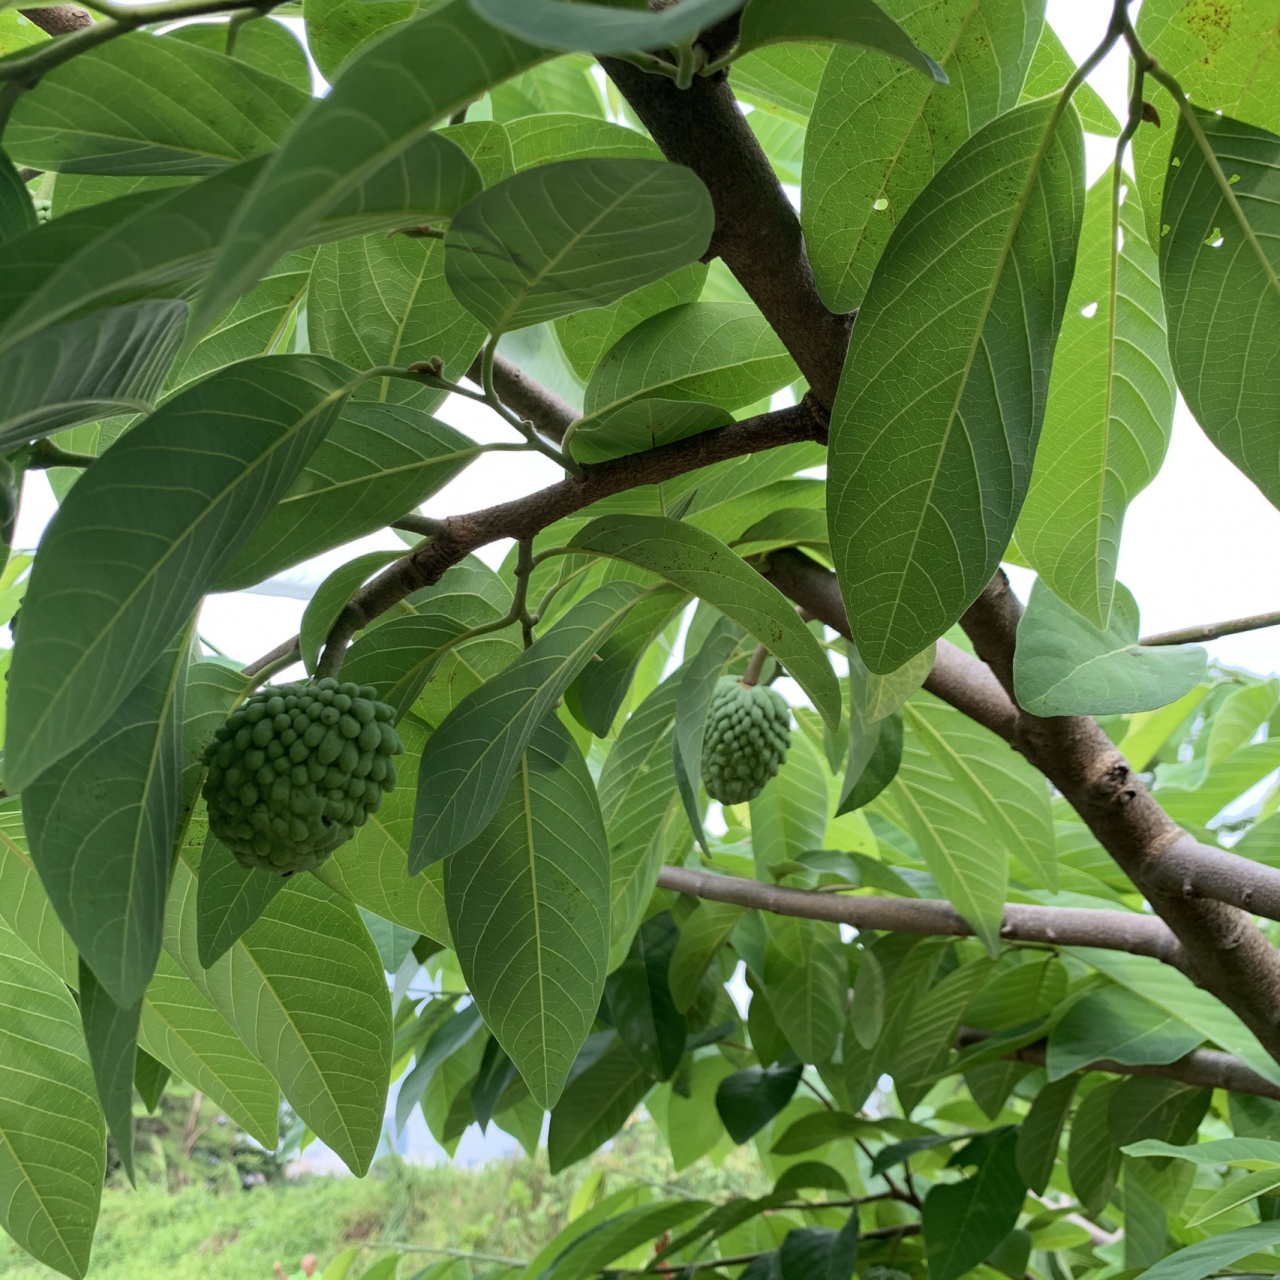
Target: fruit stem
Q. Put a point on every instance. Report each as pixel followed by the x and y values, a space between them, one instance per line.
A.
pixel 751 675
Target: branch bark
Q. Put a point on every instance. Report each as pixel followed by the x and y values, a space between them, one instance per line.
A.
pixel 1139 935
pixel 59 19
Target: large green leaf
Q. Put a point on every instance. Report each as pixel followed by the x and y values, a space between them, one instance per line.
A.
pixel 24 904
pixel 528 904
pixel 782 79
pixel 1066 666
pixel 145 533
pixel 1110 410
pixel 52 1139
pixel 101 823
pixel 640 1003
pixel 229 898
pixel 935 424
pixel 603 28
pixel 335 29
pixel 594 1250
pixel 638 802
pixel 789 816
pixel 565 84
pixel 574 234
pixel 1119 1024
pixel 150 104
pixel 1220 267
pixel 270 46
pixel 564 135
pixel 1216 1254
pixel 703 566
pixel 1041 1132
pixel 373 869
pixel 111 1038
pixel 1051 67
pixel 806 977
pixel 596 1102
pixel 879 132
pixel 723 353
pixel 305 990
pixel 472 756
pixel 330 599
pixel 377 463
pixel 441 61
pixel 644 424
pixel 863 23
pixel 108 363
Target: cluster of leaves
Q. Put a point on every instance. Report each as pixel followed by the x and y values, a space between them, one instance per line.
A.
pixel 230 366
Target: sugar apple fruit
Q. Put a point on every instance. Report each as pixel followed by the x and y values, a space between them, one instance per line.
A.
pixel 746 739
pixel 296 769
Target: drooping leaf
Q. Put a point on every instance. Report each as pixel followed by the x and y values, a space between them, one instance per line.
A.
pixel 806 977
pixel 1110 410
pixel 574 234
pixel 640 1002
pixel 702 934
pixel 701 565
pixel 1118 1024
pixel 174 108
pixel 602 28
pixel 358 129
pixel 749 1099
pixel 471 758
pixel 1040 1133
pixel 1093 1157
pixel 595 1103
pixel 863 23
pixel 52 1139
pixel 102 822
pixel 790 815
pixel 150 1076
pixel 229 898
pixel 884 757
pixel 1064 665
pixel 447 1039
pixel 943 495
pixel 879 131
pixel 111 1037
pixel 108 363
pixel 331 598
pixel 528 904
pixel 1220 269
pixel 145 533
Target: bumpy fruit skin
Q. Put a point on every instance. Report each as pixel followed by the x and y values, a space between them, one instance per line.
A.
pixel 747 736
pixel 296 769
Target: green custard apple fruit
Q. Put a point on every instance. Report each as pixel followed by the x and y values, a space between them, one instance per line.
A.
pixel 746 740
pixel 296 769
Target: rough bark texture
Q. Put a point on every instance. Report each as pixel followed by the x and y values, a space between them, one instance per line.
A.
pixel 59 19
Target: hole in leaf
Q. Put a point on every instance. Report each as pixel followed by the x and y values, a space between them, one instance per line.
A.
pixel 1231 181
pixel 1089 311
pixel 880 205
pixel 1164 230
pixel 1120 239
pixel 1215 238
pixel 1175 163
pixel 1124 193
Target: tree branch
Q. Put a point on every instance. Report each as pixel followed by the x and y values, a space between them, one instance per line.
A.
pixel 528 399
pixel 757 232
pixel 1207 1067
pixel 1140 935
pixel 59 19
pixel 1213 630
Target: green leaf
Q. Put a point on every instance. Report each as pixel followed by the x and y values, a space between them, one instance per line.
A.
pixel 448 1038
pixel 821 1127
pixel 564 84
pixel 820 1253
pixel 150 1076
pixel 806 977
pixel 790 815
pixel 172 108
pixel 267 45
pixel 336 29
pixel 1221 275
pixel 305 990
pixel 397 657
pixel 1051 67
pixel 964 1221
pixel 781 78
pixel 528 904
pixel 637 791
pixel 937 349
pixel 1249 1153
pixel 1118 1024
pixel 883 759
pixel 1110 410
pixel 602 686
pixel 102 821
pixel 862 23
pixel 17 213
pixel 111 1037
pixel 603 28
pixel 879 133
pixel 213 690
pixel 693 1125
pixel 358 129
pixel 1093 1157
pixel 229 899
pixel 1065 666
pixel 1217 1253
pixel 749 1099
pixel 574 234
pixel 640 1003
pixel 53 1149
pixel 563 135
pixel 1233 1195
pixel 1040 1133
pixel 702 934
pixel 594 1250
pixel 108 363
pixel 331 598
pixel 471 758
pixel 383 300
pixel 586 335
pixel 1148 1107
pixel 701 565
pixel 644 424
pixel 144 534
pixel 722 353
pixel 596 1102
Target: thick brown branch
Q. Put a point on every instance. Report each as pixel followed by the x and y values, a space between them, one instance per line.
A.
pixel 757 232
pixel 528 399
pixel 1060 926
pixel 59 19
pixel 1207 1067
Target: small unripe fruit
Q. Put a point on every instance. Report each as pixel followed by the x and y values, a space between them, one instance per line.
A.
pixel 747 735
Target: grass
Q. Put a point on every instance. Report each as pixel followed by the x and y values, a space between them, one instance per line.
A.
pixel 508 1207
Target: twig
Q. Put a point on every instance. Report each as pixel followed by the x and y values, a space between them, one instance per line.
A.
pixel 414 523
pixel 275 659
pixel 1212 630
